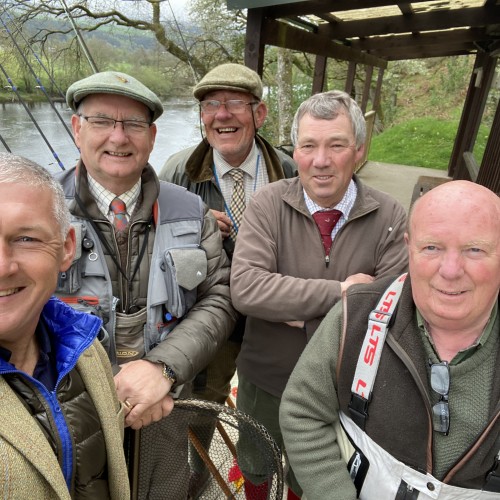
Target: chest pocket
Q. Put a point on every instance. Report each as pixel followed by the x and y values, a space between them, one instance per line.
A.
pixel 184 268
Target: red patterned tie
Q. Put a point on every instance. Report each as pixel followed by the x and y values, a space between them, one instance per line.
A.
pixel 120 210
pixel 326 221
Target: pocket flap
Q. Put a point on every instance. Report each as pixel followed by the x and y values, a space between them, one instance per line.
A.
pixel 190 266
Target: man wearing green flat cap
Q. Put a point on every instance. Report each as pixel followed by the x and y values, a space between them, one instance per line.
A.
pixel 150 263
pixel 231 162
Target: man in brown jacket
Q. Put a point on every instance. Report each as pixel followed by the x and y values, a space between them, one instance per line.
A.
pixel 61 425
pixel 303 241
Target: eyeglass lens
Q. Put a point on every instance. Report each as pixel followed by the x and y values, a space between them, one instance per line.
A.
pixel 440 383
pixel 232 106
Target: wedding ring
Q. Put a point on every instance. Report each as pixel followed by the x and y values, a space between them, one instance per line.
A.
pixel 128 404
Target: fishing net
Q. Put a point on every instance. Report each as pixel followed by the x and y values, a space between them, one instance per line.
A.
pixel 213 438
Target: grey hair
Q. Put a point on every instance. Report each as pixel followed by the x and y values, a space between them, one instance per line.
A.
pixel 20 170
pixel 327 106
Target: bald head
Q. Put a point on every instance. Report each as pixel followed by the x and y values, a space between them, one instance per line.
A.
pixel 456 199
pixel 454 256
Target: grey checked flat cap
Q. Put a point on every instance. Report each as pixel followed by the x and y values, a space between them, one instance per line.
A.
pixel 229 76
pixel 113 82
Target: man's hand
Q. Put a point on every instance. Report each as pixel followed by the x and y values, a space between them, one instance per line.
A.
pixel 356 279
pixel 223 221
pixel 143 389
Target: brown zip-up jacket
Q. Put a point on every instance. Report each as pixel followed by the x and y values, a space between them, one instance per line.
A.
pixel 279 271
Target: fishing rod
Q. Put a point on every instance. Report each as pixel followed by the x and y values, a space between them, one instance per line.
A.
pixel 80 39
pixel 40 85
pixel 14 89
pixel 195 74
pixel 5 144
pixel 19 31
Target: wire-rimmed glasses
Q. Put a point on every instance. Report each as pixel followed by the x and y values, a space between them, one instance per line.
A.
pixel 234 106
pixel 130 127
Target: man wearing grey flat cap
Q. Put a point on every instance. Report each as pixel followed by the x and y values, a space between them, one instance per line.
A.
pixel 150 263
pixel 225 169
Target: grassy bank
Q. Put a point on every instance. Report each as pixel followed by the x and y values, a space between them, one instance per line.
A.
pixel 421 142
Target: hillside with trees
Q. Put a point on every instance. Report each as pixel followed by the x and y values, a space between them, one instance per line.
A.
pixel 170 56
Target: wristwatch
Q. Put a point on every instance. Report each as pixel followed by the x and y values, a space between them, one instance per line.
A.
pixel 169 374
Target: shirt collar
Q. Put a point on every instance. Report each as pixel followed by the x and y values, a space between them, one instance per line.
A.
pixel 345 204
pixel 469 351
pixel 103 197
pixel 248 166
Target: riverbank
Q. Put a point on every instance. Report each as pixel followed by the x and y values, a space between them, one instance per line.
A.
pixel 7 97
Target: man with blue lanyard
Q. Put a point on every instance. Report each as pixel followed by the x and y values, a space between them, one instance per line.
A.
pixel 225 169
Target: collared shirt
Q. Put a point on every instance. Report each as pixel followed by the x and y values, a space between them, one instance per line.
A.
pixel 103 197
pixel 46 369
pixel 345 206
pixel 468 351
pixel 255 174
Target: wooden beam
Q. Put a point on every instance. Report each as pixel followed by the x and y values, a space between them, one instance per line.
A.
pixel 418 51
pixel 489 172
pixel 254 43
pixel 319 74
pixel 283 35
pixel 390 42
pixel 318 7
pixel 477 94
pixel 425 21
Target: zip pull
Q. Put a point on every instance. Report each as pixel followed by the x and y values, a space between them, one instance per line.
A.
pixel 327 260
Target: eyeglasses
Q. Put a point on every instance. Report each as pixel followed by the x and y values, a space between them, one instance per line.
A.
pixel 130 127
pixel 234 106
pixel 440 383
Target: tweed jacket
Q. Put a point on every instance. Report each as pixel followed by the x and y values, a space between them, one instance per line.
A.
pixel 279 272
pixel 28 466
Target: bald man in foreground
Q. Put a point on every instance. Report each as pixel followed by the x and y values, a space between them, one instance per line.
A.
pixel 408 368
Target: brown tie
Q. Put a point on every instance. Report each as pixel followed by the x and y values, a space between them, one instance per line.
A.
pixel 237 200
pixel 120 210
pixel 326 221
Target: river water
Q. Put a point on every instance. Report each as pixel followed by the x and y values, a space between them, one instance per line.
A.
pixel 178 128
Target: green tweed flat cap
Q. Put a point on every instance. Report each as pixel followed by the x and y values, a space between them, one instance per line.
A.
pixel 113 82
pixel 229 76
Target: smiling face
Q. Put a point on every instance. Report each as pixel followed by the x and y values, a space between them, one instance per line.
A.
pixel 32 252
pixel 326 156
pixel 232 135
pixel 113 158
pixel 454 250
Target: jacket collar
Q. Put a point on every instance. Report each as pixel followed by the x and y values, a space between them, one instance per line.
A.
pixel 364 203
pixel 71 333
pixel 150 189
pixel 199 166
